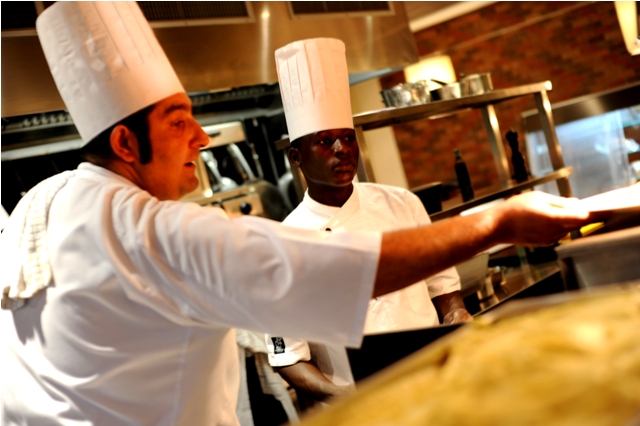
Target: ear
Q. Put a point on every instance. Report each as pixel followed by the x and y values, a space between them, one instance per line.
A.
pixel 124 143
pixel 294 156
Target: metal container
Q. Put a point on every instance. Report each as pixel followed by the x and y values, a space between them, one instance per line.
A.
pixel 448 91
pixel 601 259
pixel 476 84
pixel 406 94
pixel 473 273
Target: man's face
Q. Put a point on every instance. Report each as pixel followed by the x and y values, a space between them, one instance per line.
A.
pixel 176 139
pixel 329 158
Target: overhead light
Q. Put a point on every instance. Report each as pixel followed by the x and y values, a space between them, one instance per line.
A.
pixel 628 19
pixel 437 67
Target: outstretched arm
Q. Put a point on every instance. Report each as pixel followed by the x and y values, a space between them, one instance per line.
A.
pixel 534 218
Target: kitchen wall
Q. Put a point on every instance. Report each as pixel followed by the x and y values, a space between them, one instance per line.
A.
pixel 578 46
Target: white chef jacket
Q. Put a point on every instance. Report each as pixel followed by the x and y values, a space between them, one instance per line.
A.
pixel 370 207
pixel 136 327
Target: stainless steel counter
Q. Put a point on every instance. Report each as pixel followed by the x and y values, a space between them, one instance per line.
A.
pixel 520 282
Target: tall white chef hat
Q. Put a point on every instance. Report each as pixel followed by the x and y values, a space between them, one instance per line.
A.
pixel 105 60
pixel 314 84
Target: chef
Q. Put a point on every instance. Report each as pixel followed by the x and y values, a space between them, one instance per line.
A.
pixel 325 149
pixel 119 302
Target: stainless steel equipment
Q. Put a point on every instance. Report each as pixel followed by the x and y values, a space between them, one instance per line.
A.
pixel 470 85
pixel 447 91
pixel 224 51
pixel 406 94
pixel 610 258
pixel 228 180
pixel 476 84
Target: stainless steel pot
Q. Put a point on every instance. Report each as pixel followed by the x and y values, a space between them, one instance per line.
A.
pixel 406 94
pixel 476 84
pixel 447 91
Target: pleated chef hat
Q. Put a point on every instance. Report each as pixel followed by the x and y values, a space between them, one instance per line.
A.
pixel 314 84
pixel 105 60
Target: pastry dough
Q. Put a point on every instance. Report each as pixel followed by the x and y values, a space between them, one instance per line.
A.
pixel 570 364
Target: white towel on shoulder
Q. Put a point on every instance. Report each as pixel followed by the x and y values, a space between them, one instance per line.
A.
pixel 35 270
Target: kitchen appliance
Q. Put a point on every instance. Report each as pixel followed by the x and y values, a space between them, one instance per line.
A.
pixel 609 258
pixel 610 254
pixel 231 177
pixel 596 137
pixel 241 36
pixel 229 170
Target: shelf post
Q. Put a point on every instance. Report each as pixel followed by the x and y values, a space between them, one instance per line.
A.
pixel 365 168
pixel 548 128
pixel 497 147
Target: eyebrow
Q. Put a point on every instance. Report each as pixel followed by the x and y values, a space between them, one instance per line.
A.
pixel 333 133
pixel 176 107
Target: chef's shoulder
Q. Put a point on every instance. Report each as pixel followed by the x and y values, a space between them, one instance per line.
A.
pixel 99 188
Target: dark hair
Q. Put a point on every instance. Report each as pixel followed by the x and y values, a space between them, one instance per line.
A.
pixel 99 148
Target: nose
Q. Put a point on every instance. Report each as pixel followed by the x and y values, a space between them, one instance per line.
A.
pixel 200 138
pixel 339 146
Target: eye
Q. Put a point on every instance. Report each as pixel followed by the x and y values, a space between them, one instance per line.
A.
pixel 178 123
pixel 325 142
pixel 349 138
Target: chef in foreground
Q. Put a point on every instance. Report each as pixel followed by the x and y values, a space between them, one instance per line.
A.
pixel 119 302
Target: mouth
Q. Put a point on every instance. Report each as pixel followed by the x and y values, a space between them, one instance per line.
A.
pixel 344 167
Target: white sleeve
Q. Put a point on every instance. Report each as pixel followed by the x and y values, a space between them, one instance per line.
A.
pixel 195 266
pixel 285 351
pixel 446 281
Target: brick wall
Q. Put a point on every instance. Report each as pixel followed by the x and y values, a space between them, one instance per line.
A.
pixel 578 46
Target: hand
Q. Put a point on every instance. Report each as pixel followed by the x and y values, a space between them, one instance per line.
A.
pixel 340 391
pixel 537 218
pixel 457 316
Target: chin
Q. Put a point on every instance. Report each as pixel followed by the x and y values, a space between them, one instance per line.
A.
pixel 192 186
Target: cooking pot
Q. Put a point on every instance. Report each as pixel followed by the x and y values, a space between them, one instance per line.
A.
pixel 406 94
pixel 476 84
pixel 447 91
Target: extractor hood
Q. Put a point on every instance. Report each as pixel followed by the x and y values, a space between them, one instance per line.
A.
pixel 217 46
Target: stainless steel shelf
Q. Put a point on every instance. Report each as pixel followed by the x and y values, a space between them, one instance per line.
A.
pixel 485 102
pixel 509 190
pixel 392 116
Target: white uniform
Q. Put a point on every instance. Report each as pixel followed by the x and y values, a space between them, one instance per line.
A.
pixel 370 207
pixel 136 327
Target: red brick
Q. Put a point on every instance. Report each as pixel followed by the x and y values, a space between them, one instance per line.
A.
pixel 580 51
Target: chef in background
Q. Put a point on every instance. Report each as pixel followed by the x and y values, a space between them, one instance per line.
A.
pixel 325 149
pixel 120 302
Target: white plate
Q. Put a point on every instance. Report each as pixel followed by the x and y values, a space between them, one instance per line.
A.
pixel 623 200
